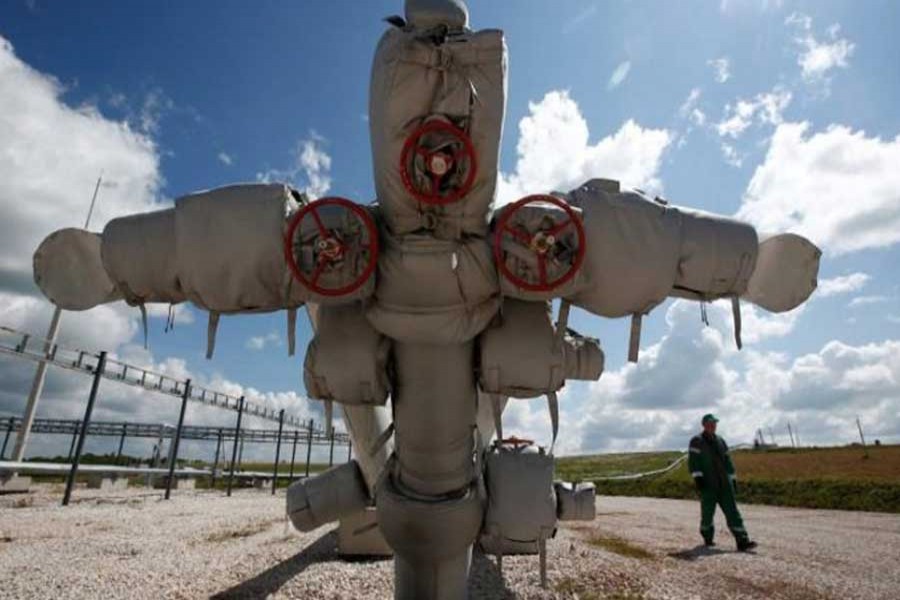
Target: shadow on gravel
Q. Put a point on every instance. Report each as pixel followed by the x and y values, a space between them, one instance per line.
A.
pixel 696 553
pixel 270 581
pixel 485 580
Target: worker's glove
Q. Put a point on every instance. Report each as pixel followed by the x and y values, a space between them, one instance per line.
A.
pixel 698 481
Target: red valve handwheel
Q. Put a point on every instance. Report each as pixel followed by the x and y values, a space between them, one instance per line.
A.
pixel 438 162
pixel 330 248
pixel 540 243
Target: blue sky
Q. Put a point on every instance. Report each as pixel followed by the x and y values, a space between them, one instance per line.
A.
pixel 704 102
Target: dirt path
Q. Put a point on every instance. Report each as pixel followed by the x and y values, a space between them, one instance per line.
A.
pixel 201 544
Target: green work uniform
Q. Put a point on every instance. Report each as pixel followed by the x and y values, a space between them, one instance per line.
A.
pixel 713 471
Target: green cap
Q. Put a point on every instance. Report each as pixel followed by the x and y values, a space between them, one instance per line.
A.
pixel 709 417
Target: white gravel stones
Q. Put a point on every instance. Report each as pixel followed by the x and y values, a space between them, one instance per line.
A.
pixel 200 544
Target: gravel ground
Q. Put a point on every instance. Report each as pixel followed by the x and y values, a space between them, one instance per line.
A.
pixel 201 544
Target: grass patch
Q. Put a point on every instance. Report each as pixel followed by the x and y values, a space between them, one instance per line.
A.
pixel 829 478
pixel 617 545
pixel 246 531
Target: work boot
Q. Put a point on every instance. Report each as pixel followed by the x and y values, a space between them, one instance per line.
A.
pixel 745 545
pixel 709 543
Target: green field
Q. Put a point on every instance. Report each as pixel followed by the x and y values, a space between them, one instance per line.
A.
pixel 837 478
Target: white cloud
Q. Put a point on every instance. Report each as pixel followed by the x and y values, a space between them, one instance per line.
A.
pixel 721 68
pixel 817 59
pixel 225 158
pixel 52 155
pixel 555 153
pixel 765 108
pixel 619 74
pixel 155 105
pixel 689 108
pixel 260 342
pixel 843 284
pixel 839 188
pixel 867 301
pixel 310 171
pixel 731 155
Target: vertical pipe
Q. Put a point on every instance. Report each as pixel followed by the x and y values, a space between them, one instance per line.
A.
pixel 121 442
pixel 862 438
pixel 278 450
pixel 241 452
pixel 791 433
pixel 309 446
pixel 331 449
pixel 74 440
pixel 294 454
pixel 9 428
pixel 237 434
pixel 349 449
pixel 95 386
pixel 177 441
pixel 212 481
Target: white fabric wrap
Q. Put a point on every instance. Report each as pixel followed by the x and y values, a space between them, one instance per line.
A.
pixel 230 248
pixel 522 355
pixel 463 80
pixel 521 500
pixel 640 250
pixel 632 251
pixel 347 359
pixel 522 260
pixel 434 291
pixel 576 501
pixel 327 497
pixel 425 14
pixel 139 253
pixel 69 271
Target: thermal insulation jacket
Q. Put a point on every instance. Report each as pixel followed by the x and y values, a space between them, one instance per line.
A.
pixel 69 271
pixel 521 231
pixel 640 250
pixel 434 404
pixel 576 501
pixel 521 507
pixel 229 244
pixel 427 14
pixel 139 253
pixel 338 492
pixel 523 355
pixel 434 291
pixel 785 273
pixel 347 359
pixel 419 75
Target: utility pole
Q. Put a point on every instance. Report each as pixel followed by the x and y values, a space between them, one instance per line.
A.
pixel 41 374
pixel 862 438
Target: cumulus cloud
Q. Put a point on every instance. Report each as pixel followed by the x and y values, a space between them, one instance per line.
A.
pixel 838 187
pixel 843 284
pixel 52 155
pixel 554 152
pixel 765 109
pixel 310 170
pixel 261 342
pixel 619 74
pixel 694 369
pixel 818 58
pixel 721 68
pixel 867 301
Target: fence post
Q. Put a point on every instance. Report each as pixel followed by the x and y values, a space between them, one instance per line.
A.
pixel 294 454
pixel 234 448
pixel 177 441
pixel 9 427
pixel 95 386
pixel 74 440
pixel 331 450
pixel 121 442
pixel 309 446
pixel 212 481
pixel 278 450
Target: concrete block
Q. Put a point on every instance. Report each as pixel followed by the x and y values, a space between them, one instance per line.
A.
pixel 178 483
pixel 107 483
pixel 359 535
pixel 14 484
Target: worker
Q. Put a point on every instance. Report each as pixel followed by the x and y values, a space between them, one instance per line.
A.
pixel 714 475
